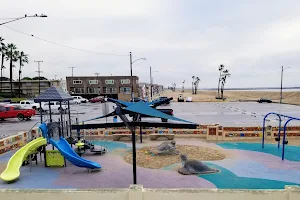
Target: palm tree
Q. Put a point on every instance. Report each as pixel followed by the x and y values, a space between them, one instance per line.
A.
pixel 3 54
pixel 193 77
pixel 23 58
pixel 221 67
pixel 12 56
pixel 223 79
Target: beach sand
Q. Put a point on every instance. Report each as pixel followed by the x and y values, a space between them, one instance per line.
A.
pixel 239 95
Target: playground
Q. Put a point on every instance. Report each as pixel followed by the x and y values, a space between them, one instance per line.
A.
pixel 54 159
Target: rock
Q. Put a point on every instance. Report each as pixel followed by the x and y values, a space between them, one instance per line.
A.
pixel 194 167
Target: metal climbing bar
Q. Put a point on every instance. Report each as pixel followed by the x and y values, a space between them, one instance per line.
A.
pixel 279 128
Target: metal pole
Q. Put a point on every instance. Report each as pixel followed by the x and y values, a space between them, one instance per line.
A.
pixel 2 61
pixel 41 112
pixel 61 120
pixel 281 84
pixel 151 83
pixel 133 132
pixel 50 115
pixel 70 123
pixel 132 92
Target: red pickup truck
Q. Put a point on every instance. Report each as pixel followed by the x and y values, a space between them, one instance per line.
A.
pixel 8 111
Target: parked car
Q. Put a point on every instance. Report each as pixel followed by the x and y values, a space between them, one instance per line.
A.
pixel 189 99
pixel 163 98
pixel 137 99
pixel 97 99
pixel 9 111
pixel 262 100
pixel 180 98
pixel 29 104
pixel 80 99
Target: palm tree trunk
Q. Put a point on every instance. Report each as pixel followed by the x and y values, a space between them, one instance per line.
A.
pixel 2 61
pixel 10 75
pixel 222 90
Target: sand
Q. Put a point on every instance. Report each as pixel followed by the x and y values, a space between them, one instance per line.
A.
pixel 155 162
pixel 209 95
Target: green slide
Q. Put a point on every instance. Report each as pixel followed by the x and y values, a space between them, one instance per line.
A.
pixel 12 170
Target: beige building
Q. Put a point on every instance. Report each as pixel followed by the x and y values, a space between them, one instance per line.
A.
pixel 111 86
pixel 29 88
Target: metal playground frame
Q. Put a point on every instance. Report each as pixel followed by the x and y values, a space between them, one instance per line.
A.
pixel 284 142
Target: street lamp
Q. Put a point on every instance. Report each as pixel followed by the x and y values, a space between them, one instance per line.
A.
pixel 151 83
pixel 281 82
pixel 131 63
pixel 133 132
pixel 36 15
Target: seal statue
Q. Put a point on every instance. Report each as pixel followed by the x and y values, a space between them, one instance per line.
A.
pixel 194 167
pixel 167 148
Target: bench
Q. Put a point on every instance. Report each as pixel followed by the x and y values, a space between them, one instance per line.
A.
pixel 156 136
pixel 117 137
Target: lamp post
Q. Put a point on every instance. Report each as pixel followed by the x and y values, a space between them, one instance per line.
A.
pixel 151 83
pixel 281 82
pixel 26 16
pixel 133 132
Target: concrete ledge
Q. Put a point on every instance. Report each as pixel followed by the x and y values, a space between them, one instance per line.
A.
pixel 156 136
pixel 137 192
pixel 117 137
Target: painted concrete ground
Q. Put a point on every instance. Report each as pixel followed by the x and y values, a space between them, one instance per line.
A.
pixel 241 169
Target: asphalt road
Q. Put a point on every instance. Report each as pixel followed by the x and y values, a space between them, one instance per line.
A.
pixel 226 114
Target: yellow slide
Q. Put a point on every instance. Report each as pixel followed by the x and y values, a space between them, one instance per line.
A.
pixel 12 170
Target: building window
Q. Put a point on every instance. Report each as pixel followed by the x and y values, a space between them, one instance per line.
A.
pixel 93 82
pixel 28 84
pixel 94 90
pixel 125 90
pixel 77 81
pixel 109 82
pixel 42 83
pixel 125 81
pixel 109 90
pixel 79 90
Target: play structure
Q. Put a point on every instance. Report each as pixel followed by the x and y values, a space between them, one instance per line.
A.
pixel 284 141
pixel 38 145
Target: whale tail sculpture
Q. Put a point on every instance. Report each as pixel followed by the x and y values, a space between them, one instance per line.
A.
pixel 191 166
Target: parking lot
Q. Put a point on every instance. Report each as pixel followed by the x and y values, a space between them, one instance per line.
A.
pixel 226 114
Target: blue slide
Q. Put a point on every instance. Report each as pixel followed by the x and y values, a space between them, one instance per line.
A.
pixel 66 150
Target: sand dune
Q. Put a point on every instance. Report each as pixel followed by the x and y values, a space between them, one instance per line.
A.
pixel 209 95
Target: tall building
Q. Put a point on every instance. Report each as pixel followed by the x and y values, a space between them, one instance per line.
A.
pixel 111 86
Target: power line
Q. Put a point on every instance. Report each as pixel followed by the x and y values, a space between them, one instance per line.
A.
pixel 74 48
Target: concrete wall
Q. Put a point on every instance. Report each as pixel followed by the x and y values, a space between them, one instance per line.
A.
pixel 137 192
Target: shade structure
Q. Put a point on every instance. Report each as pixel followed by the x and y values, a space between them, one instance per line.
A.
pixel 53 94
pixel 143 108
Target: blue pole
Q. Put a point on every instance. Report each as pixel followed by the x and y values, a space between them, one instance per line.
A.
pixel 263 133
pixel 278 136
pixel 284 133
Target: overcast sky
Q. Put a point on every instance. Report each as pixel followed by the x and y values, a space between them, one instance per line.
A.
pixel 179 38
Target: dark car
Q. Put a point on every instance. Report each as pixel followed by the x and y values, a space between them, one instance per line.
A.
pixel 264 100
pixel 97 99
pixel 163 98
pixel 137 99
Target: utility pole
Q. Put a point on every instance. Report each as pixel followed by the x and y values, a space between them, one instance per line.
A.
pixel 97 74
pixel 55 77
pixel 151 84
pixel 39 74
pixel 183 86
pixel 72 70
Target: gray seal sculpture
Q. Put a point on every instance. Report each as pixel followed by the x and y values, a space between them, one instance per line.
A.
pixel 167 148
pixel 194 167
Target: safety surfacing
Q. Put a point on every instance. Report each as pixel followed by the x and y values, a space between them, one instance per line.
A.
pixel 247 167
